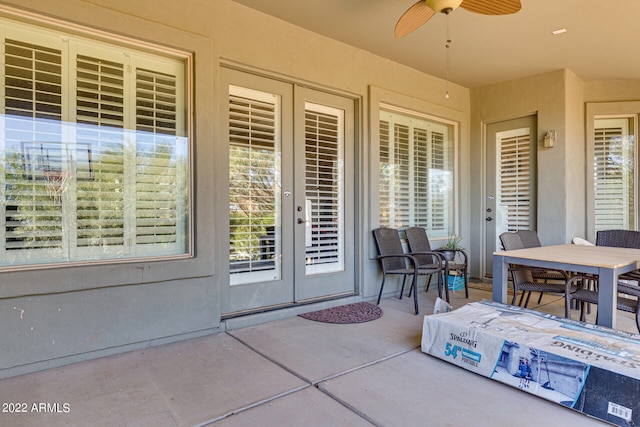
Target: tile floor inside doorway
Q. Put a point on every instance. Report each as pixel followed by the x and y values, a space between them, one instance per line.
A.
pixel 289 372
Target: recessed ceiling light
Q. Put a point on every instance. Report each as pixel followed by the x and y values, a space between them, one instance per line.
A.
pixel 559 31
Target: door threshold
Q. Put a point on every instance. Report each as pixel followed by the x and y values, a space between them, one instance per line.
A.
pixel 276 307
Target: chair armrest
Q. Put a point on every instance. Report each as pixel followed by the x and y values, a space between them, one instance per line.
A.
pixel 517 267
pixel 623 288
pixel 580 279
pixel 435 254
pixel 628 289
pixel 411 258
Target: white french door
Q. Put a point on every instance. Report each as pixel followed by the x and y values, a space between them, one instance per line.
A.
pixel 323 247
pixel 510 181
pixel 290 193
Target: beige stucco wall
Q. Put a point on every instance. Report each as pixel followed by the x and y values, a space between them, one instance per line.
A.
pixel 555 98
pixel 575 165
pixel 611 90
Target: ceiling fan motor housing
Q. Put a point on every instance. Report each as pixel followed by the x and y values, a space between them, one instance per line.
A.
pixel 443 6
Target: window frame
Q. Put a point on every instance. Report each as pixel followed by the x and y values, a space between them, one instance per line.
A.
pixel 608 110
pixel 420 211
pixel 52 28
pixel 380 98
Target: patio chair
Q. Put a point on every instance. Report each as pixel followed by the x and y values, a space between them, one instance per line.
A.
pixel 530 239
pixel 584 290
pixel 621 239
pixel 394 260
pixel 522 276
pixel 618 238
pixel 419 242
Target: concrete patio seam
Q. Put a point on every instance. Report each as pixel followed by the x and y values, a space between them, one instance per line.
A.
pixel 366 365
pixel 315 383
pixel 252 405
pixel 275 362
pixel 348 406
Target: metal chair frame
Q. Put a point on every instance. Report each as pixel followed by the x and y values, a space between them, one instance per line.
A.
pixel 394 260
pixel 418 241
pixel 522 276
pixel 584 289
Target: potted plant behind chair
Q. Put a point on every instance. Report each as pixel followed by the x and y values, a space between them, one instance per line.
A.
pixel 449 250
pixel 450 247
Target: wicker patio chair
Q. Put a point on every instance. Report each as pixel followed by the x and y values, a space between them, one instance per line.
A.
pixel 618 238
pixel 530 239
pixel 621 239
pixel 419 242
pixel 522 276
pixel 393 260
pixel 585 288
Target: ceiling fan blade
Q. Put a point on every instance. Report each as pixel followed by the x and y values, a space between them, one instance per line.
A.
pixel 413 18
pixel 492 7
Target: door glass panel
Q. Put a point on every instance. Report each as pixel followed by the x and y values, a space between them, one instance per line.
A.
pixel 324 189
pixel 613 175
pixel 254 183
pixel 513 204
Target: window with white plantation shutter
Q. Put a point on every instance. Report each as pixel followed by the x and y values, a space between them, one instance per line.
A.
pixel 254 179
pixel 514 180
pixel 324 188
pixel 95 150
pixel 416 173
pixel 613 174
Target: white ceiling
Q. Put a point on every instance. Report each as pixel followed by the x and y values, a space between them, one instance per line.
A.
pixel 601 41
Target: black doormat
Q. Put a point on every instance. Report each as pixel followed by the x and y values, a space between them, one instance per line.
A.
pixel 351 313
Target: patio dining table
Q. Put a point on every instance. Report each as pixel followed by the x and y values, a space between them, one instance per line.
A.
pixel 606 262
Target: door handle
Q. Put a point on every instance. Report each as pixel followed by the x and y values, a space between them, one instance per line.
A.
pixel 301 221
pixel 489 219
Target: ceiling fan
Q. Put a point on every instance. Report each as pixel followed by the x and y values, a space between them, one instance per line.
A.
pixel 424 10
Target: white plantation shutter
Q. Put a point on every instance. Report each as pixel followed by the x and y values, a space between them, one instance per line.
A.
pixel 416 169
pixel 33 91
pixel 95 150
pixel 439 179
pixel 514 180
pixel 613 175
pixel 99 153
pixel 324 186
pixel 402 203
pixel 254 164
pixel 421 166
pixel 158 174
pixel 395 182
pixel 386 171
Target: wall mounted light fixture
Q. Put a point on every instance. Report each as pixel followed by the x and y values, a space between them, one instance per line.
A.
pixel 550 139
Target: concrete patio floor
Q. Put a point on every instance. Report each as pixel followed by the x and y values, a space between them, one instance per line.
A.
pixel 289 372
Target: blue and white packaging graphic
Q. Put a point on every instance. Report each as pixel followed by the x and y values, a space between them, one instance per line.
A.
pixel 589 368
